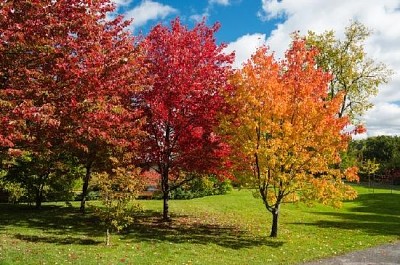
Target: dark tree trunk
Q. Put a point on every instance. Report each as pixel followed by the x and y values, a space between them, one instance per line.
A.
pixel 166 191
pixel 85 186
pixel 39 191
pixel 39 198
pixel 165 166
pixel 274 228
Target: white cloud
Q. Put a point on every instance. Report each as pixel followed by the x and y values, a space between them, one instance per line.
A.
pixel 148 10
pixel 381 16
pixel 244 47
pixel 384 118
pixel 198 17
pixel 119 3
pixel 219 2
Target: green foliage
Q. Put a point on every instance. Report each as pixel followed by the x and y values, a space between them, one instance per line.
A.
pixel 14 190
pixel 117 190
pixel 369 167
pixel 93 195
pixel 375 155
pixel 202 186
pixel 32 177
pixel 355 75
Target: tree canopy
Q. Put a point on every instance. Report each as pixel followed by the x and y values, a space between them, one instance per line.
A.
pixel 355 76
pixel 188 75
pixel 68 75
pixel 286 134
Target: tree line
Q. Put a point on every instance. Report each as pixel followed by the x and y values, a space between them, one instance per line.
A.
pixel 377 157
pixel 81 97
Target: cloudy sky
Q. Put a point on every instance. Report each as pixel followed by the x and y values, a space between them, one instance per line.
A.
pixel 246 24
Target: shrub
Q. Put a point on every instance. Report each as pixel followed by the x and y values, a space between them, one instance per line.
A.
pixel 201 186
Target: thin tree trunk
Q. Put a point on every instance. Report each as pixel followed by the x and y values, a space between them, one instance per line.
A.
pixel 39 198
pixel 108 237
pixel 165 173
pixel 86 185
pixel 274 228
pixel 165 190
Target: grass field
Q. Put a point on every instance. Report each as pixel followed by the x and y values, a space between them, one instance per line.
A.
pixel 226 229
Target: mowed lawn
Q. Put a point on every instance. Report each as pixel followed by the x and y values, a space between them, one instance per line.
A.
pixel 226 229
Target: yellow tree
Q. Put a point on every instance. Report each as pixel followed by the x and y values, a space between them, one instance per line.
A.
pixel 285 134
pixel 355 76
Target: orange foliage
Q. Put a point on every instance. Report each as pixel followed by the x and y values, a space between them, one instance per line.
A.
pixel 287 136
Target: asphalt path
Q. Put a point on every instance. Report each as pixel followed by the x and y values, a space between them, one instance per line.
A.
pixel 383 255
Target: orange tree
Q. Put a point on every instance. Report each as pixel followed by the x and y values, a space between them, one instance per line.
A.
pixel 286 135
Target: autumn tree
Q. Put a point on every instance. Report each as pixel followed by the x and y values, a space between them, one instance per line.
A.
pixel 286 135
pixel 188 73
pixel 99 115
pixel 356 77
pixel 24 55
pixel 68 79
pixel 28 55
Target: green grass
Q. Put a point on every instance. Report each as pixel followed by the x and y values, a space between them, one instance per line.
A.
pixel 227 229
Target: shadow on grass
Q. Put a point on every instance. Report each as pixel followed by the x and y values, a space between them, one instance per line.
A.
pixel 57 224
pixel 57 240
pixel 63 225
pixel 186 229
pixel 375 214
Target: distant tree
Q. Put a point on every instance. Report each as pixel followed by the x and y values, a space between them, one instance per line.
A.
pixel 285 135
pixel 383 150
pixel 355 76
pixel 188 75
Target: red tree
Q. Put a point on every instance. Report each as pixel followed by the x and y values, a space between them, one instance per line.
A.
pixel 103 71
pixel 188 73
pixel 68 76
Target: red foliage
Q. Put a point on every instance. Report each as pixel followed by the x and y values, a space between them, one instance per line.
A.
pixel 67 76
pixel 151 177
pixel 67 71
pixel 188 73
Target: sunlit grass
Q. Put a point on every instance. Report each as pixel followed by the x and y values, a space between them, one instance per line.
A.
pixel 226 229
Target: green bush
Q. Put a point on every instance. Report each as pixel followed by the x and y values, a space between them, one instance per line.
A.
pixel 200 187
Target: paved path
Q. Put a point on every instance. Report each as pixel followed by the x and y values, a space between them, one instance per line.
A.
pixel 383 255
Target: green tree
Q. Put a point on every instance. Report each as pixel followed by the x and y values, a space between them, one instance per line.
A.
pixel 383 150
pixel 355 75
pixel 33 175
pixel 118 189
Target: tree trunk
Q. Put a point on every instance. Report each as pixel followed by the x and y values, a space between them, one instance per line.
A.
pixel 108 237
pixel 165 166
pixel 39 198
pixel 165 190
pixel 85 186
pixel 274 228
pixel 39 192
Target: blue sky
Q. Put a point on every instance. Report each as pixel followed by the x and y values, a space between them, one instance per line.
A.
pixel 243 14
pixel 247 24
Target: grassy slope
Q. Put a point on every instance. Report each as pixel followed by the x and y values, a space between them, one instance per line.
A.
pixel 229 229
